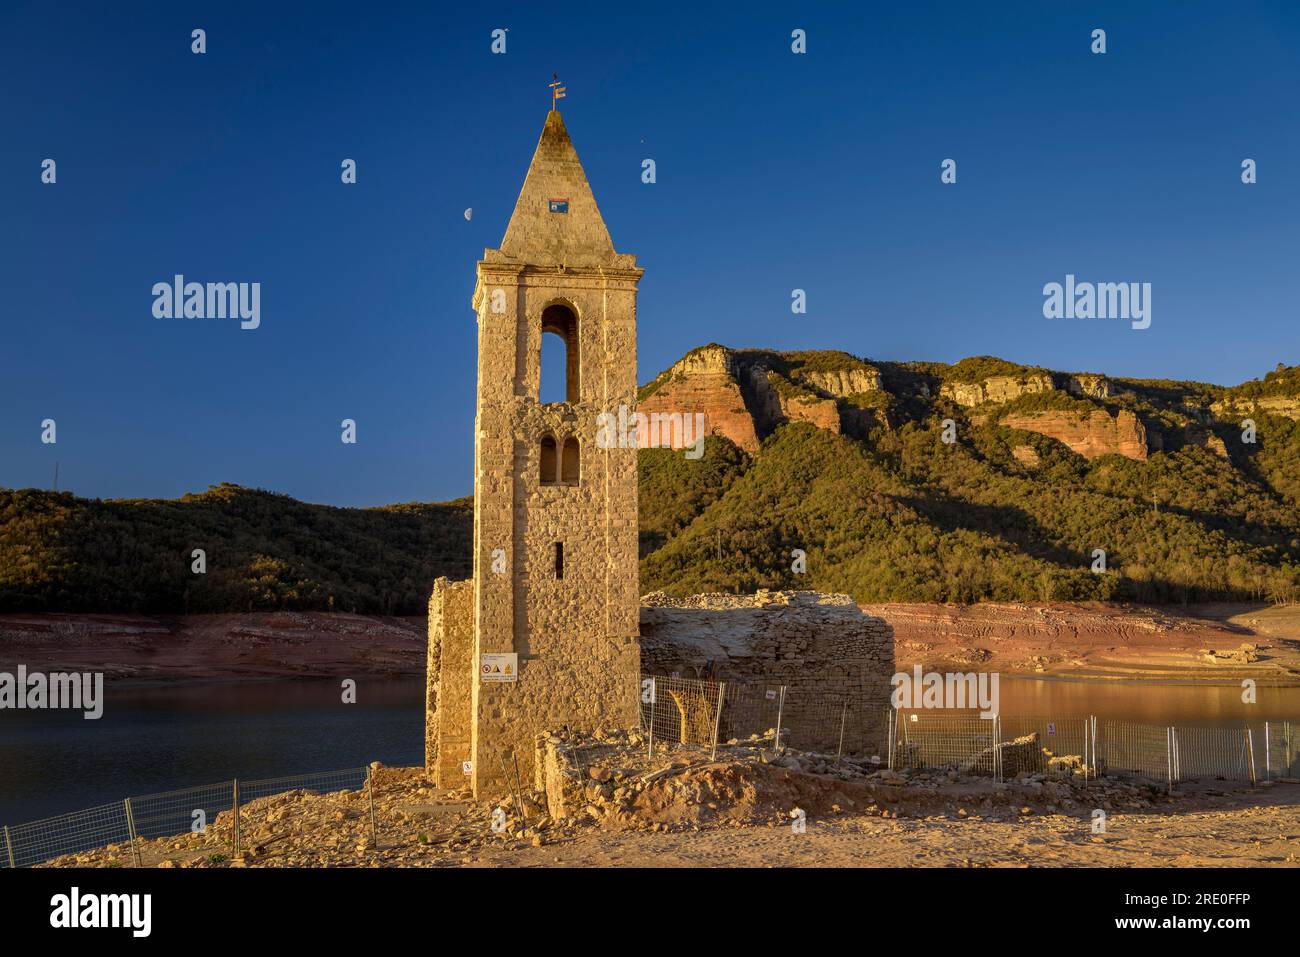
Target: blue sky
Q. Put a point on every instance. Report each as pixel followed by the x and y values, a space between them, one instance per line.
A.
pixel 775 172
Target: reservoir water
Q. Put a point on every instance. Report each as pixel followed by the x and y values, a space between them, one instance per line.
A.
pixel 161 737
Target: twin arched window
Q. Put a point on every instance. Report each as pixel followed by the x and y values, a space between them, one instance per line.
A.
pixel 560 464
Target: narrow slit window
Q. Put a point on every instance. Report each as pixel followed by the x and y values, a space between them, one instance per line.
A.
pixel 559 560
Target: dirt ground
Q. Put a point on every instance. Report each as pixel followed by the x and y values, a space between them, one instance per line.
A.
pixel 685 809
pixel 1243 831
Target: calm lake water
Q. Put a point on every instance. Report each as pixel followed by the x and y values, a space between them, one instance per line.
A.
pixel 160 738
pixel 1150 702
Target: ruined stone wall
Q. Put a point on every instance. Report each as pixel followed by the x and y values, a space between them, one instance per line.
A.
pixel 432 675
pixel 450 674
pixel 822 648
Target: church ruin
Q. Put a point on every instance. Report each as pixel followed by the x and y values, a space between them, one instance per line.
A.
pixel 546 634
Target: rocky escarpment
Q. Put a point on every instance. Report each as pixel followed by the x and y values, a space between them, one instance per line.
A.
pixel 1277 393
pixel 1237 405
pixel 1006 388
pixel 842 383
pixel 995 389
pixel 704 381
pixel 746 394
pixel 782 400
pixel 1091 435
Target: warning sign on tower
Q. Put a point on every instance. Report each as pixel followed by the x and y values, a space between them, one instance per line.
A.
pixel 499 667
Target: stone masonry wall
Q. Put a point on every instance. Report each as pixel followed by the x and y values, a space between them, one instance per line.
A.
pixel 822 648
pixel 451 671
pixel 575 632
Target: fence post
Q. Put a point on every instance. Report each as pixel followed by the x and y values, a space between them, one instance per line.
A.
pixel 654 697
pixel 519 786
pixel 1101 762
pixel 1178 763
pixel 780 708
pixel 130 827
pixel 9 845
pixel 1250 748
pixel 1085 751
pixel 889 739
pixel 370 789
pixel 997 747
pixel 844 713
pixel 234 812
pixel 1268 755
pixel 1169 757
pixel 717 718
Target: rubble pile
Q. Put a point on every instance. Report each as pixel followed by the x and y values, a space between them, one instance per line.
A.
pixel 611 781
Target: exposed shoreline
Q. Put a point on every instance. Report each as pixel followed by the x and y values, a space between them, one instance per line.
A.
pixel 1109 642
pixel 1085 642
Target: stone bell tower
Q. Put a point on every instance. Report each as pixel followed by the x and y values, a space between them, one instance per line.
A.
pixel 555 516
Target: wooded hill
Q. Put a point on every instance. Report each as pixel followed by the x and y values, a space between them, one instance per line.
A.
pixel 862 482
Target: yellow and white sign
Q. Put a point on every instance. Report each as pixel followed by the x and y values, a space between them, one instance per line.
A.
pixel 499 667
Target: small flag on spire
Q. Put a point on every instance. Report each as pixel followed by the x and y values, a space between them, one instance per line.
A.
pixel 557 91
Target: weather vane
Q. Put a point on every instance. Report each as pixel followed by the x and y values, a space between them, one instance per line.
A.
pixel 557 91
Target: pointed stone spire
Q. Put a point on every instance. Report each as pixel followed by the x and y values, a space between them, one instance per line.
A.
pixel 556 221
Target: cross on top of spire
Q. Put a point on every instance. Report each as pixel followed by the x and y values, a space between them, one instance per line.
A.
pixel 557 91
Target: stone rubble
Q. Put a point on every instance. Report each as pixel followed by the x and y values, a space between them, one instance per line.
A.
pixel 609 781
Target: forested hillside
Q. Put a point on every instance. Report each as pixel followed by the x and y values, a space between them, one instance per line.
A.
pixel 841 458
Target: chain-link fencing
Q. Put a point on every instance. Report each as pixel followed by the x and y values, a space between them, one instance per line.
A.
pixel 118 827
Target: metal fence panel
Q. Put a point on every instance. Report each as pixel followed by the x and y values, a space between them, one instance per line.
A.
pixel 1044 738
pixel 679 711
pixel 1283 749
pixel 323 782
pixel 684 711
pixel 930 740
pixel 154 815
pixel 750 709
pixel 174 812
pixel 1212 753
pixel 1142 750
pixel 70 834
